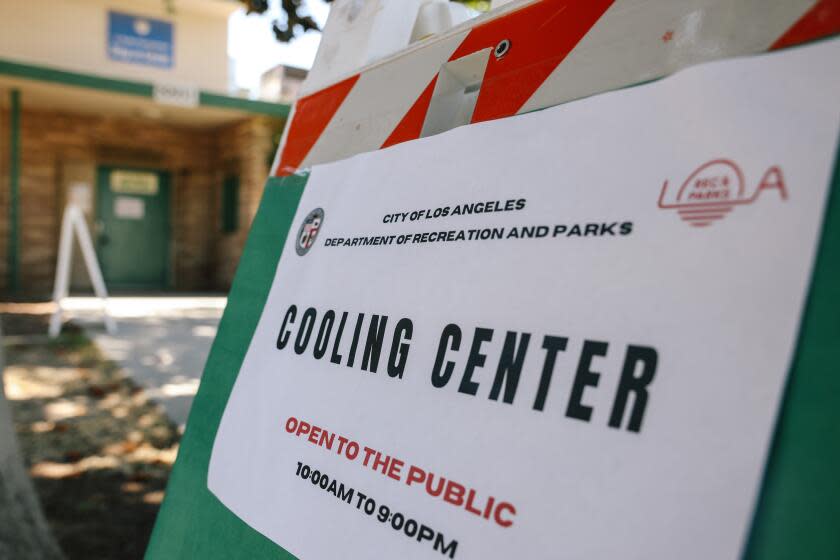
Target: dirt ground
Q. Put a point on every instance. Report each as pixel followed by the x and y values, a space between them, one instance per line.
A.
pixel 98 450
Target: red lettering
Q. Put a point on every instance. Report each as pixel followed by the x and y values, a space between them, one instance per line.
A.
pixel 778 181
pixel 469 505
pixel 454 493
pixel 382 461
pixel 327 439
pixel 352 450
pixel 313 435
pixel 497 516
pixel 437 491
pixel 436 486
pixel 415 474
pixel 368 453
pixel 488 509
pixel 396 468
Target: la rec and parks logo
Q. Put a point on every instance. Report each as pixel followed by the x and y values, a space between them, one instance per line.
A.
pixel 308 231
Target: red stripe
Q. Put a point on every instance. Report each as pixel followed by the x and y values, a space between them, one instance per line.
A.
pixel 821 20
pixel 705 209
pixel 312 114
pixel 703 217
pixel 541 36
pixel 411 125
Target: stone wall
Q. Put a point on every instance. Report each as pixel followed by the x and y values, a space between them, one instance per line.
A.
pixel 245 151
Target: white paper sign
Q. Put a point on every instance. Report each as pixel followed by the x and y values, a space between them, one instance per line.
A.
pixel 591 311
pixel 129 207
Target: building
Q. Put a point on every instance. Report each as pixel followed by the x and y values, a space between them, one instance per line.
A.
pixel 281 83
pixel 119 107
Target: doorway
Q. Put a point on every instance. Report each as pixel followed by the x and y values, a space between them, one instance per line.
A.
pixel 132 225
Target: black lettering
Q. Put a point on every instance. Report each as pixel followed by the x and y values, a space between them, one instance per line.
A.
pixel 373 345
pixel 356 332
pixel 450 338
pixel 448 549
pixel 510 367
pixel 307 322
pixel 336 357
pixel 323 338
pixel 608 228
pixel 637 385
pixel 346 496
pixel 289 318
pixel 552 345
pixel 584 377
pixel 475 360
pixel 399 348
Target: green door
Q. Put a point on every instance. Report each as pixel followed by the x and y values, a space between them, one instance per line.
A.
pixel 132 210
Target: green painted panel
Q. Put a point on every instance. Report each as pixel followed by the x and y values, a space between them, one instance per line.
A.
pixel 133 228
pixel 46 74
pixel 279 110
pixel 192 523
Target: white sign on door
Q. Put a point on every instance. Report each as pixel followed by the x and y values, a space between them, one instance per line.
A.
pixel 129 207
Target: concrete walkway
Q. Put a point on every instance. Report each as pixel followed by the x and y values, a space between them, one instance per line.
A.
pixel 162 342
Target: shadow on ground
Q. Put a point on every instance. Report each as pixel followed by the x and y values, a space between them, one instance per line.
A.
pixel 98 449
pixel 162 342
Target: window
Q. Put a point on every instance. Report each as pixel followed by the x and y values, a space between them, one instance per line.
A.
pixel 230 204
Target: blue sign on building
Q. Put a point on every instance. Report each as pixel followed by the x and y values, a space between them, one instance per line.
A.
pixel 140 40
